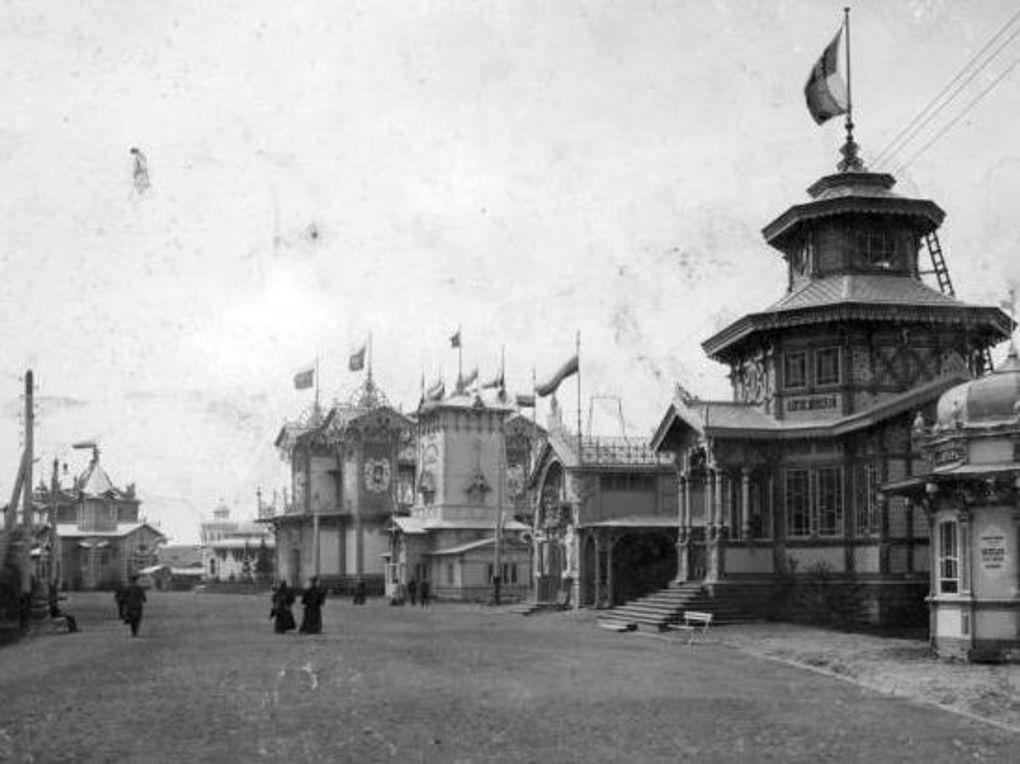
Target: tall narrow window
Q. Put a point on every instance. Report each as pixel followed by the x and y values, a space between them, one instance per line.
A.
pixel 798 517
pixel 949 558
pixel 867 507
pixel 795 370
pixel 827 366
pixel 829 501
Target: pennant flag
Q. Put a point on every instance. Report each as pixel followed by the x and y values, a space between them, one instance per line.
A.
pixel 357 360
pixel 525 401
pixel 496 381
pixel 455 339
pixel 825 90
pixel 568 369
pixel 304 379
pixel 463 383
pixel 436 392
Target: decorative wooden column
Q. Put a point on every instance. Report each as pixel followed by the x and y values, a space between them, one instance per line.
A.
pixel 715 531
pixel 745 503
pixel 684 529
pixel 609 570
pixel 717 496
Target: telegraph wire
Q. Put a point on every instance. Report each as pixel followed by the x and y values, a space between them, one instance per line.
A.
pixel 930 111
pixel 959 116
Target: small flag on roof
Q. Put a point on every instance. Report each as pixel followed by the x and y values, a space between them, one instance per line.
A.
pixel 357 360
pixel 304 378
pixel 566 370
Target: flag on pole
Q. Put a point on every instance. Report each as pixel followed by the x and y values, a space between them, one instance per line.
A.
pixel 826 91
pixel 304 378
pixel 463 383
pixel 357 360
pixel 566 370
pixel 496 381
pixel 455 339
pixel 436 392
pixel 525 401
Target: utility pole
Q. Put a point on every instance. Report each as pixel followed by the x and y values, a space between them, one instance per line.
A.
pixel 497 572
pixel 26 506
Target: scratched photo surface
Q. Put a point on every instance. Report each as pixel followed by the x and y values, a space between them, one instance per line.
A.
pixel 216 217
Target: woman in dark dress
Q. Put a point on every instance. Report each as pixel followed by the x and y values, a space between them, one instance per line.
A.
pixel 283 616
pixel 311 601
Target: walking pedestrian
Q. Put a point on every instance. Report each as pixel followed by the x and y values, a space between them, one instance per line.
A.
pixel 359 592
pixel 412 592
pixel 134 599
pixel 53 600
pixel 424 593
pixel 312 601
pixel 281 613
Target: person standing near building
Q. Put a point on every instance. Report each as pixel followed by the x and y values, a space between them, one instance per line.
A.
pixel 134 599
pixel 312 601
pixel 283 616
pixel 424 593
pixel 412 592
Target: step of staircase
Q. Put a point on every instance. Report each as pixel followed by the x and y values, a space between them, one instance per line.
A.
pixel 657 610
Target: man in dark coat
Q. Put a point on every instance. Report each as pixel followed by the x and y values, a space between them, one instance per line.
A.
pixel 412 592
pixel 134 599
pixel 312 601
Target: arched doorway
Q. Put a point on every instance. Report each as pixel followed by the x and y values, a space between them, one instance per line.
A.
pixel 551 532
pixel 642 563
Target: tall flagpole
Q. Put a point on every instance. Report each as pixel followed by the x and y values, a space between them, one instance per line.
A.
pixel 849 97
pixel 580 453
pixel 370 355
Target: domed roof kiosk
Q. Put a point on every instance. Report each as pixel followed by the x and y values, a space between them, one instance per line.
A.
pixel 970 489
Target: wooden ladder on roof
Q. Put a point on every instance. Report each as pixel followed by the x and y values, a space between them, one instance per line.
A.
pixel 941 272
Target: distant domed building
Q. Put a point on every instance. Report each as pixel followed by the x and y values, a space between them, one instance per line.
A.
pixel 969 490
pixel 236 550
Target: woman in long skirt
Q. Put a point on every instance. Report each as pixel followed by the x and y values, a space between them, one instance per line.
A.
pixel 283 616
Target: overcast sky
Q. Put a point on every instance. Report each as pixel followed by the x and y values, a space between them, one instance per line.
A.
pixel 525 170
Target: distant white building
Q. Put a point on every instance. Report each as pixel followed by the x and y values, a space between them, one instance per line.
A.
pixel 231 549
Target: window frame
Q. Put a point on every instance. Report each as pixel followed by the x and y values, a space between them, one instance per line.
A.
pixel 947 563
pixel 821 353
pixel 831 515
pixel 873 247
pixel 868 512
pixel 802 512
pixel 807 514
pixel 788 359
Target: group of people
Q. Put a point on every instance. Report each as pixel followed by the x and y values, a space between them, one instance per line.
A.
pixel 413 592
pixel 314 597
pixel 312 600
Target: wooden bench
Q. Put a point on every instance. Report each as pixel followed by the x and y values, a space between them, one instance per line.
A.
pixel 694 622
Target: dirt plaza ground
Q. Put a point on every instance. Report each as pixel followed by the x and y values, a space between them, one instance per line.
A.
pixel 209 681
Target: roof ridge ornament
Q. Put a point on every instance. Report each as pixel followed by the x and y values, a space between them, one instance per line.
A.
pixel 850 162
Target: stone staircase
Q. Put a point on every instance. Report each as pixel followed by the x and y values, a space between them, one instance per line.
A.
pixel 656 611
